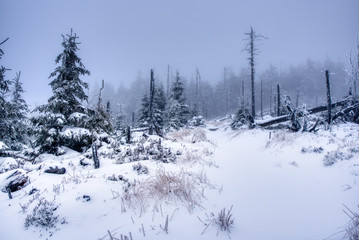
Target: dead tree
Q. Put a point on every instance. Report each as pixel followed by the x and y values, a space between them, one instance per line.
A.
pixel 108 107
pixel 99 106
pixel 128 135
pixel 278 100
pixel 242 94
pixel 285 118
pixel 261 98
pixel 297 99
pixel 252 51
pixel 152 94
pixel 95 156
pixel 133 119
pixel 354 63
pixel 329 100
pixel 197 93
pixel 168 81
pixel 225 88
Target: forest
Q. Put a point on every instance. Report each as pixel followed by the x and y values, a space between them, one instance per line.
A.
pixel 88 135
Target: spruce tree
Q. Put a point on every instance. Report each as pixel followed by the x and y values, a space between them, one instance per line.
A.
pixel 143 112
pixel 18 114
pixel 64 121
pixel 5 123
pixel 177 112
pixel 159 106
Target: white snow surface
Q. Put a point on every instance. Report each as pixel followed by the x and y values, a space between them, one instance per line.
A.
pixel 277 191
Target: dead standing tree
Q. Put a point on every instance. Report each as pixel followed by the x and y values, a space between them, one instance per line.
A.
pixel 329 99
pixel 152 95
pixel 252 51
pixel 354 74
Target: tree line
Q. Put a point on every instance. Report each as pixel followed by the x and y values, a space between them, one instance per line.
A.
pixel 73 119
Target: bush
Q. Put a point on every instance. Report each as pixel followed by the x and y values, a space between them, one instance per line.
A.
pixel 332 157
pixel 43 215
pixel 141 169
pixel 242 117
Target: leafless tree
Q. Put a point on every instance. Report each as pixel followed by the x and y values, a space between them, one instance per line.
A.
pixel 252 50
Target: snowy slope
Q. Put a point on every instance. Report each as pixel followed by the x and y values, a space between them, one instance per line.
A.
pixel 278 186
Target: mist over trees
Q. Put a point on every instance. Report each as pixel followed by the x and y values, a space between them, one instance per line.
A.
pixel 303 83
pixel 75 116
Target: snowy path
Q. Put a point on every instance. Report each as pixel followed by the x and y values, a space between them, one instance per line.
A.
pixel 277 192
pixel 274 199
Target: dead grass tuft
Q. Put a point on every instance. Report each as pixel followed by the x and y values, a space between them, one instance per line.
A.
pixel 185 187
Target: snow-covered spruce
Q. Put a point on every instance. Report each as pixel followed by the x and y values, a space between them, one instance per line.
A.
pixel 63 121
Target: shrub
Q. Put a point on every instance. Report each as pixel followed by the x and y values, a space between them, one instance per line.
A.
pixel 43 215
pixel 352 231
pixel 332 157
pixel 141 169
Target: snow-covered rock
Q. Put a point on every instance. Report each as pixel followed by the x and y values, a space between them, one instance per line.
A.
pixel 7 164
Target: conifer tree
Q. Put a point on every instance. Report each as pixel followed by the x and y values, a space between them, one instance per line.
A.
pixel 5 124
pixel 143 112
pixel 159 106
pixel 177 112
pixel 64 121
pixel 18 114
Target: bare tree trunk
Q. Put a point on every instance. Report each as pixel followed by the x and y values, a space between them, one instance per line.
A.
pixel 270 101
pixel 329 100
pixel 278 100
pixel 261 99
pixel 243 94
pixel 297 99
pixel 152 94
pixel 196 100
pixel 168 80
pixel 128 134
pixel 95 156
pixel 225 88
pixel 252 72
pixel 108 107
pixel 99 107
pixel 133 119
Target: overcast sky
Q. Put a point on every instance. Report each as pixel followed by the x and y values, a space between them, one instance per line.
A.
pixel 120 38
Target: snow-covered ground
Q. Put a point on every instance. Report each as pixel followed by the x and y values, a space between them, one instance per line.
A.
pixel 275 180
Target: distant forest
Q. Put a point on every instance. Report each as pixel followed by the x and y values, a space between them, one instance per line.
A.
pixel 304 84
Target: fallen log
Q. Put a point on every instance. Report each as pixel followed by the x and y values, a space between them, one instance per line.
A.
pixel 310 111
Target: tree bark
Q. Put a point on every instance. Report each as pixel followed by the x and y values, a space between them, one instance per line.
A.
pixel 261 99
pixel 152 94
pixel 278 100
pixel 95 156
pixel 310 111
pixel 329 100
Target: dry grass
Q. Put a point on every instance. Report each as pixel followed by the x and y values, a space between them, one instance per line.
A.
pixel 224 221
pixel 199 135
pixel 352 231
pixel 180 135
pixel 184 187
pixel 191 156
pixel 280 138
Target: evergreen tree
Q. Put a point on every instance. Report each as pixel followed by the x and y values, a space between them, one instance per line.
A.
pixel 5 123
pixel 18 114
pixel 159 106
pixel 177 112
pixel 143 112
pixel 63 121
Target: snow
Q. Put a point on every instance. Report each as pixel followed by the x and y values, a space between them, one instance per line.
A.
pixel 3 146
pixel 277 189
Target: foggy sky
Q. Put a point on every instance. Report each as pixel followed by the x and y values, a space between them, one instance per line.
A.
pixel 120 38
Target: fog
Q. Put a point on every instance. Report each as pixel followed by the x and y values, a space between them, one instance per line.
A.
pixel 122 39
